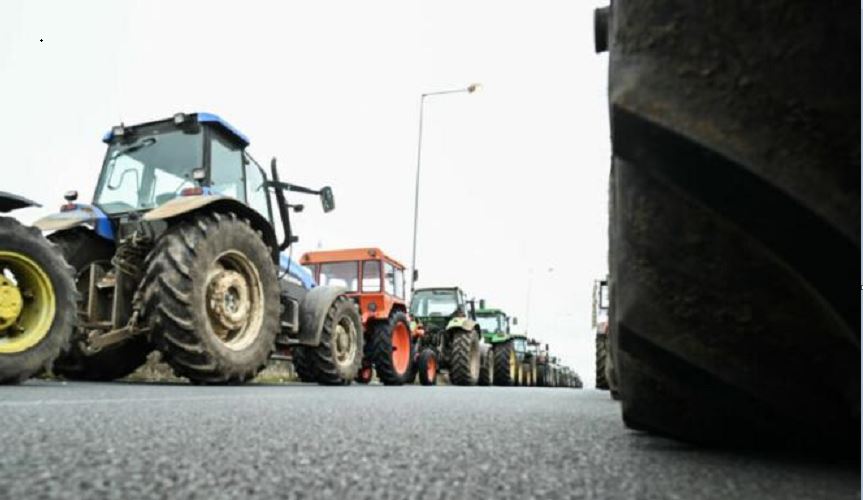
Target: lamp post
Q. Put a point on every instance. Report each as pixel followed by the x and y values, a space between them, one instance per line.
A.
pixel 470 89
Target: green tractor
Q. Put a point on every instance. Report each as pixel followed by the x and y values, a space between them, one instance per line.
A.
pixel 504 363
pixel 179 252
pixel 37 297
pixel 449 330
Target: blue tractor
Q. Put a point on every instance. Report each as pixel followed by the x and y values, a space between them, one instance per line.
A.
pixel 180 252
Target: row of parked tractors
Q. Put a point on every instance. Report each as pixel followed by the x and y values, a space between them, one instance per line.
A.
pixel 184 251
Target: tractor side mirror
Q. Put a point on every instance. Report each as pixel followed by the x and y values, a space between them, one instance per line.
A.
pixel 328 201
pixel 482 303
pixel 515 321
pixel 416 275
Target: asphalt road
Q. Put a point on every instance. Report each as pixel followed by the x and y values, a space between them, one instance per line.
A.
pixel 303 441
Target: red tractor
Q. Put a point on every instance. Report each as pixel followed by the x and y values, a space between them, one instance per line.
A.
pixel 376 283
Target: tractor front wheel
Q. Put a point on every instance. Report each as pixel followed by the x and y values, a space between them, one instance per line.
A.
pixel 304 365
pixel 211 297
pixel 464 358
pixel 427 365
pixel 340 354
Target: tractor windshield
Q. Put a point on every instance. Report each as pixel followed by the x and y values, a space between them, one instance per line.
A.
pixel 148 171
pixel 490 323
pixel 340 274
pixel 426 303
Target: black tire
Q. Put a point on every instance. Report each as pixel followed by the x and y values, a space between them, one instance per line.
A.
pixel 82 248
pixel 196 266
pixel 385 353
pixel 601 359
pixel 304 367
pixel 364 375
pixel 486 372
pixel 465 358
pixel 29 243
pixel 503 375
pixel 735 221
pixel 427 366
pixel 332 366
pixel 542 376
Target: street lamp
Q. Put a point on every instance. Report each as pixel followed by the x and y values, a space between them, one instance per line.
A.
pixel 470 89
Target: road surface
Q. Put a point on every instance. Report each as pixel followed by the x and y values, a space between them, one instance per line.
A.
pixel 123 440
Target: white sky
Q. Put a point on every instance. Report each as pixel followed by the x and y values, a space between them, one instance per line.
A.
pixel 514 176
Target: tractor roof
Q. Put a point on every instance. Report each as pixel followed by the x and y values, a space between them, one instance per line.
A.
pixel 347 255
pixel 489 312
pixel 440 288
pixel 200 117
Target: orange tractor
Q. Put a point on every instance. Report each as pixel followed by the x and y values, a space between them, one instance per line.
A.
pixel 376 282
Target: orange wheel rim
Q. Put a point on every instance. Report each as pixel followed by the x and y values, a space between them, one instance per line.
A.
pixel 401 339
pixel 431 369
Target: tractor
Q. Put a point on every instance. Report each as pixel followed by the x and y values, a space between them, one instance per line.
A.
pixel 495 327
pixel 376 282
pixel 37 297
pixel 447 322
pixel 179 252
pixel 526 357
pixel 544 367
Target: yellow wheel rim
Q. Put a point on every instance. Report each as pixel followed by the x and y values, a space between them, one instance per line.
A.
pixel 512 364
pixel 27 303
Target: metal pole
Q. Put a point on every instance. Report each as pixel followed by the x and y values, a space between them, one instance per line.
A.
pixel 469 89
pixel 417 197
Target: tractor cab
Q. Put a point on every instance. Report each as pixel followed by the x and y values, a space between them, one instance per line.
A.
pixel 494 323
pixel 375 280
pixel 435 307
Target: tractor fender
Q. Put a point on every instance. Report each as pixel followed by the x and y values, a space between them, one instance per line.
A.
pixel 186 205
pixel 9 202
pixel 79 215
pixel 313 312
pixel 462 324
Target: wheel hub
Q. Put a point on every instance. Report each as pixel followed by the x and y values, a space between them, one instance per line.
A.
pixel 343 344
pixel 11 302
pixel 228 299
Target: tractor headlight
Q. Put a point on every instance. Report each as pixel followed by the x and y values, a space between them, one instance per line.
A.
pixel 118 131
pixel 373 307
pixel 179 118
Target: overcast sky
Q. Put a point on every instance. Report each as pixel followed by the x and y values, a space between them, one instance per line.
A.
pixel 514 180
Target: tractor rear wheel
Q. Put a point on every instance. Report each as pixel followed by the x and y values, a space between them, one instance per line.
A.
pixel 505 364
pixel 340 354
pixel 84 249
pixel 464 365
pixel 486 372
pixel 304 366
pixel 601 360
pixel 392 349
pixel 37 302
pixel 735 221
pixel 211 297
pixel 428 367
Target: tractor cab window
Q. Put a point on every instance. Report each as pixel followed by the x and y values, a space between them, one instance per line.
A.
pixel 489 323
pixel 603 295
pixel 426 303
pixel 400 283
pixel 371 276
pixel 340 274
pixel 226 168
pixel 520 345
pixel 148 168
pixel 389 278
pixel 256 190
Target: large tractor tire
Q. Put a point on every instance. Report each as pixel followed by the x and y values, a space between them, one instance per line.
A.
pixel 464 365
pixel 486 371
pixel 37 302
pixel 339 356
pixel 505 364
pixel 735 220
pixel 601 360
pixel 304 365
pixel 83 248
pixel 392 350
pixel 364 375
pixel 427 366
pixel 211 297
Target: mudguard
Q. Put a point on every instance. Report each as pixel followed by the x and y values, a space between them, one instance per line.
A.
pixel 462 324
pixel 313 312
pixel 81 215
pixel 9 202
pixel 216 202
